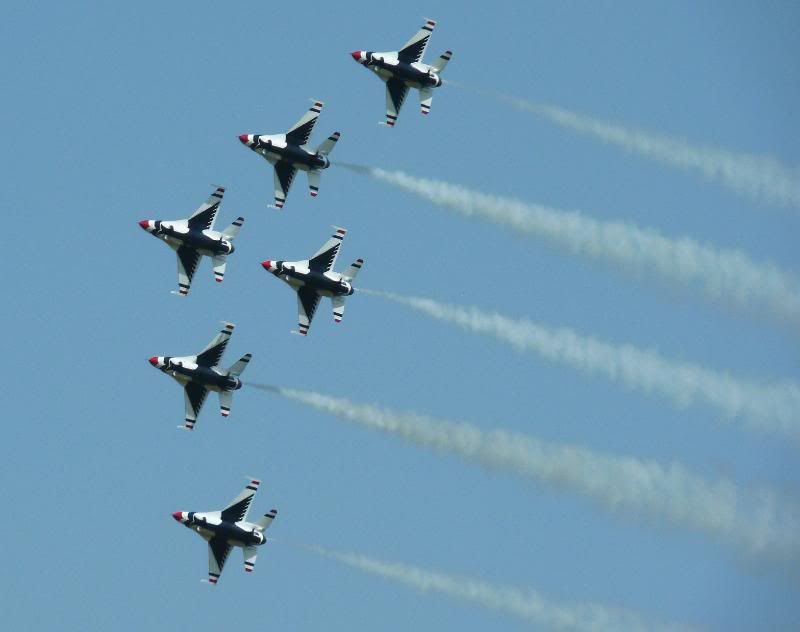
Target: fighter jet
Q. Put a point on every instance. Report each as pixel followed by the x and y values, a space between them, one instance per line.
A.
pixel 228 528
pixel 404 69
pixel 201 373
pixel 193 237
pixel 289 152
pixel 314 278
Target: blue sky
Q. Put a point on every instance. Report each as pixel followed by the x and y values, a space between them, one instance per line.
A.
pixel 117 113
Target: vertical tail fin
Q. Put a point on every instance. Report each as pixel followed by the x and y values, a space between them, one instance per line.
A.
pixel 231 231
pixel 352 270
pixel 240 365
pixel 439 64
pixel 328 144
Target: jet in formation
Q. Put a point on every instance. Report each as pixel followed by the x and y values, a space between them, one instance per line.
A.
pixel 228 528
pixel 314 278
pixel 201 373
pixel 403 69
pixel 191 238
pixel 289 152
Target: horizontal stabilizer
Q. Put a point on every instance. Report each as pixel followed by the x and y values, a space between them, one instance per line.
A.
pixel 439 64
pixel 338 308
pixel 313 183
pixel 352 271
pixel 219 264
pixel 328 144
pixel 240 365
pixel 225 403
pixel 266 520
pixel 233 230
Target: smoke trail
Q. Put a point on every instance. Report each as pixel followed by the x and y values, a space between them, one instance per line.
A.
pixel 528 605
pixel 730 275
pixel 773 408
pixel 762 178
pixel 756 522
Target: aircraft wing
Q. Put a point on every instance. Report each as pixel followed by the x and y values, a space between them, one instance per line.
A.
pixel 414 49
pixel 218 550
pixel 301 131
pixel 284 174
pixel 212 354
pixel 325 258
pixel 203 218
pixel 238 507
pixel 307 301
pixel 188 258
pixel 396 92
pixel 193 395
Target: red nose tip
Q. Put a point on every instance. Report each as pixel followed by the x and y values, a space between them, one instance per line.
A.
pixel 266 264
pixel 177 516
pixel 153 361
pixel 356 54
pixel 243 138
pixel 144 224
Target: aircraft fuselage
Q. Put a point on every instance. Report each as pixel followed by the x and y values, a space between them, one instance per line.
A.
pixel 325 283
pixel 275 148
pixel 184 370
pixel 416 75
pixel 207 242
pixel 209 526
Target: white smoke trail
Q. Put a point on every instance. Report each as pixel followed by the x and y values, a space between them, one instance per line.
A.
pixel 528 605
pixel 728 275
pixel 772 408
pixel 756 522
pixel 762 178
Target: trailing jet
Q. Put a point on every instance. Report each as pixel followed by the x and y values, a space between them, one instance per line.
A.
pixel 314 278
pixel 289 152
pixel 193 237
pixel 201 373
pixel 403 69
pixel 228 528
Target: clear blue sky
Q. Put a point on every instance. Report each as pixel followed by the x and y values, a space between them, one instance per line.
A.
pixel 113 113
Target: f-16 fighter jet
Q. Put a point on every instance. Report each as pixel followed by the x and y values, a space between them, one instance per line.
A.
pixel 228 528
pixel 193 237
pixel 289 152
pixel 314 278
pixel 201 373
pixel 404 69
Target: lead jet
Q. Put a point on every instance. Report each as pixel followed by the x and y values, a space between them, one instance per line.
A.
pixel 228 528
pixel 403 69
pixel 314 278
pixel 201 373
pixel 289 152
pixel 194 237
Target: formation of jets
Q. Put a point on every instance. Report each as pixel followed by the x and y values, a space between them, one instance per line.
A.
pixel 311 279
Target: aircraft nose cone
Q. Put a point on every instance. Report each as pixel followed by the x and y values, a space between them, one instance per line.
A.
pixel 243 138
pixel 144 224
pixel 356 54
pixel 266 264
pixel 153 361
pixel 177 516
